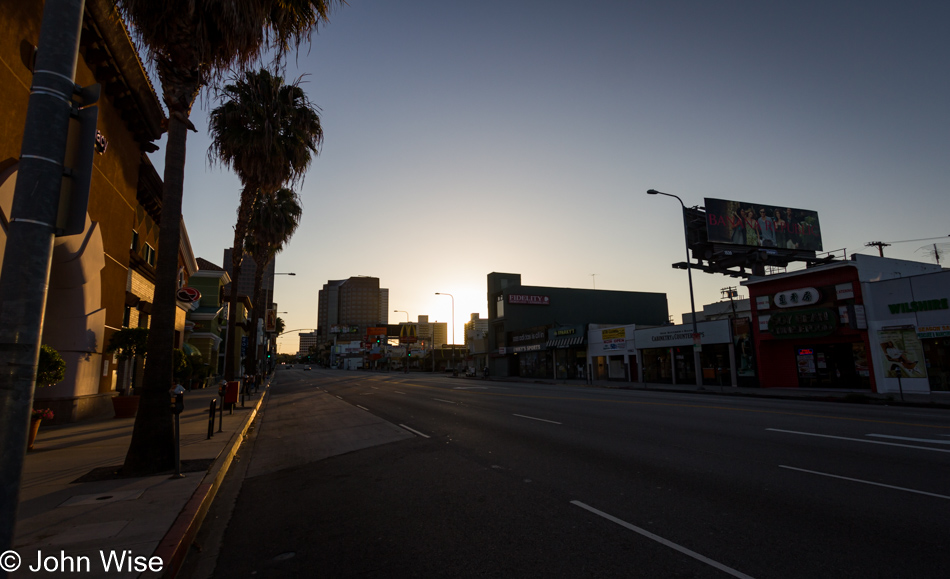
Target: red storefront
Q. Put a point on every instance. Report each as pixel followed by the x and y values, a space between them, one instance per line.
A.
pixel 810 329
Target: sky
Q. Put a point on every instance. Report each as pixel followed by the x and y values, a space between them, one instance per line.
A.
pixel 521 136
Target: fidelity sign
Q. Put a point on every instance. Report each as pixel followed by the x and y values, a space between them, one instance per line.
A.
pixel 528 300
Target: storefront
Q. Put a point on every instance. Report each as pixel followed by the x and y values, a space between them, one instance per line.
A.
pixel 810 329
pixel 566 344
pixel 530 358
pixel 910 332
pixel 666 354
pixel 612 352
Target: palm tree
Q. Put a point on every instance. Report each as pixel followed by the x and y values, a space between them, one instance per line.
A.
pixel 268 132
pixel 273 222
pixel 193 43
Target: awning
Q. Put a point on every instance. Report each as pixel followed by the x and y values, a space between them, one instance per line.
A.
pixel 565 342
pixel 190 350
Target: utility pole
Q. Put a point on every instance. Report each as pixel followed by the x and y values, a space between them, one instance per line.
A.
pixel 880 246
pixel 29 248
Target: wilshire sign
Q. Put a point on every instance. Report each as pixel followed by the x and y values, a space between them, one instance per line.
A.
pixel 922 306
pixel 804 323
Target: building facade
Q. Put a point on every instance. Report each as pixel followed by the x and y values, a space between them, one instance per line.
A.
pixel 101 279
pixel 811 327
pixel 541 331
pixel 348 307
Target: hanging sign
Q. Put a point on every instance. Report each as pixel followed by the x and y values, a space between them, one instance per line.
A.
pixel 189 295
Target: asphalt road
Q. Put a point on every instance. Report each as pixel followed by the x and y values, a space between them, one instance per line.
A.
pixel 431 476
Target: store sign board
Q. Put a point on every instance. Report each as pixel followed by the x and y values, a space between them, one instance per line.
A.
pixel 921 306
pixel 927 332
pixel 844 291
pixel 806 296
pixel 716 332
pixel 613 334
pixel 530 336
pixel 529 300
pixel 811 323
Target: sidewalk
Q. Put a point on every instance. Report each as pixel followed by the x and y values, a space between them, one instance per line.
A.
pixel 75 524
pixel 931 400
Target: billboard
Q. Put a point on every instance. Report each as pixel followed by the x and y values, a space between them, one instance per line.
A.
pixel 759 225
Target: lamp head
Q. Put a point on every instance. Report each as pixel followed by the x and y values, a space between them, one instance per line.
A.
pixel 652 192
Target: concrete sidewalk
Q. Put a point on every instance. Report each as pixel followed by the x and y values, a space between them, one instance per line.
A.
pixel 933 399
pixel 78 526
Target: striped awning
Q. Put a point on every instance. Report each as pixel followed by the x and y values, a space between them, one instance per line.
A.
pixel 565 342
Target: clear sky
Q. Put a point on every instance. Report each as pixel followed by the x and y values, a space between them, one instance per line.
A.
pixel 521 136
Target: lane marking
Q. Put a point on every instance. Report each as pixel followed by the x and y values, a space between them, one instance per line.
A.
pixel 663 541
pixel 374 388
pixel 340 397
pixel 446 401
pixel 414 431
pixel 363 407
pixel 470 388
pixel 860 440
pixel 867 482
pixel 398 392
pixel 533 418
pixel 930 440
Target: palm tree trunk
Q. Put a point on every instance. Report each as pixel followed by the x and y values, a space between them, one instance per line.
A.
pixel 152 448
pixel 248 195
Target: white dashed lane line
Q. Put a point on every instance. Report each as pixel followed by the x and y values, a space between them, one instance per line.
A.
pixel 414 431
pixel 663 541
pixel 533 418
pixel 866 482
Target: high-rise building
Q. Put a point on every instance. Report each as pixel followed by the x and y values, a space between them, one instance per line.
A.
pixel 350 306
pixel 246 283
pixel 307 340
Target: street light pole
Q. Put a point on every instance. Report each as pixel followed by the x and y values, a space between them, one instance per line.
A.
pixel 697 341
pixel 453 326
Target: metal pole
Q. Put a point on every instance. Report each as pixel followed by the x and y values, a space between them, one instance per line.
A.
pixel 692 304
pixel 29 246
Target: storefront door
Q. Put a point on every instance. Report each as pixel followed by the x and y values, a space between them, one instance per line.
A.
pixel 833 366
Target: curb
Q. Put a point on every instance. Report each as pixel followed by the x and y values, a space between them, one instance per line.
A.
pixel 175 544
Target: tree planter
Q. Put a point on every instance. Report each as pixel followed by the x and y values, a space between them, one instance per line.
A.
pixel 34 429
pixel 125 406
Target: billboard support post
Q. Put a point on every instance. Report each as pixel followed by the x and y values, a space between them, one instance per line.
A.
pixel 697 339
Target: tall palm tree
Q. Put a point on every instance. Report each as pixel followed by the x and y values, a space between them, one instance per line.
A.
pixel 274 220
pixel 267 131
pixel 193 43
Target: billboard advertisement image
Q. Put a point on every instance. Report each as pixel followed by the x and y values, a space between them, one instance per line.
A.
pixel 759 225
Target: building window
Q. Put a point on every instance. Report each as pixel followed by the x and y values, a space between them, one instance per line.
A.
pixel 149 255
pixel 127 317
pixel 135 240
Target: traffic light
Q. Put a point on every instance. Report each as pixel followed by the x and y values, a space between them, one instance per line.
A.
pixel 409 353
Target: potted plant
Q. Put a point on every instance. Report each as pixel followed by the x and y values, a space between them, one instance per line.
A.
pixel 50 369
pixel 128 344
pixel 35 419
